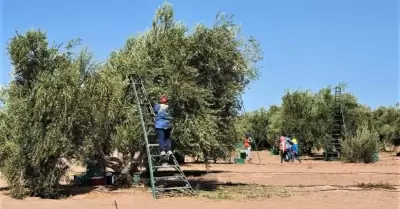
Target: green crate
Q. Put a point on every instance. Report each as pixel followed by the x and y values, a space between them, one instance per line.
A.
pixel 136 178
pixel 243 154
pixel 239 161
pixel 375 157
pixel 274 151
pixel 94 171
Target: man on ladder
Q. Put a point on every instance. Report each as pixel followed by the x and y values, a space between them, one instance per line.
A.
pixel 163 126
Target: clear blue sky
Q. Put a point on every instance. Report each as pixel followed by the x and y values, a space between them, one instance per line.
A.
pixel 306 43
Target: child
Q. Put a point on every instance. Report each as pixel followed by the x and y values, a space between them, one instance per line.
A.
pixel 163 125
pixel 295 150
pixel 247 146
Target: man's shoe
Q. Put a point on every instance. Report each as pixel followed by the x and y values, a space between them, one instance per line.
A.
pixel 162 153
pixel 169 152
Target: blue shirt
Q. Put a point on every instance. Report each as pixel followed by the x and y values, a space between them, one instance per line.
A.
pixel 295 148
pixel 163 118
pixel 288 144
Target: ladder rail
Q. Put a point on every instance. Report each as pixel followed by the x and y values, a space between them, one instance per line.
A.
pixel 145 136
pixel 149 130
pixel 337 129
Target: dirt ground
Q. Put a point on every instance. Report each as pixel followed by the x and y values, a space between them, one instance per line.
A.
pixel 307 185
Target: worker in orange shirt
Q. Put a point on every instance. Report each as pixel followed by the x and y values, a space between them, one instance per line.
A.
pixel 247 146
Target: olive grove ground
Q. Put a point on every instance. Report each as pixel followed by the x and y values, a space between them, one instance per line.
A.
pixel 311 184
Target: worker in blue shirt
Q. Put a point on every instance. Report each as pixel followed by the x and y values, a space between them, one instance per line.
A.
pixel 163 125
pixel 289 147
pixel 295 150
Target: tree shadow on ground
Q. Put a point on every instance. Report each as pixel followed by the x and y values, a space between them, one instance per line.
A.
pixel 4 189
pixel 211 185
pixel 73 190
pixel 199 186
pixel 188 173
pixel 315 157
pixel 196 183
pixel 210 163
pixel 198 173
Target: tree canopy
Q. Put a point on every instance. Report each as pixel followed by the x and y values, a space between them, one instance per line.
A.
pixel 62 106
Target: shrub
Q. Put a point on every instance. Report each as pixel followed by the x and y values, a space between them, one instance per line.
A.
pixel 361 147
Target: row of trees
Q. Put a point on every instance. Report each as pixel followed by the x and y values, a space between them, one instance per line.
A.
pixel 63 107
pixel 309 117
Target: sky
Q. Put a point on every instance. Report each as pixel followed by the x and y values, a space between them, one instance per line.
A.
pixel 307 44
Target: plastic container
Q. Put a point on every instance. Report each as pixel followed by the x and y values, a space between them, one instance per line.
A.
pixel 110 178
pixel 375 157
pixel 80 179
pixel 95 181
pixel 243 154
pixel 239 161
pixel 274 151
pixel 136 178
pixel 94 171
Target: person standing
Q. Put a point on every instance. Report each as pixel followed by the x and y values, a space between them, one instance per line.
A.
pixel 288 144
pixel 247 146
pixel 163 125
pixel 282 147
pixel 295 150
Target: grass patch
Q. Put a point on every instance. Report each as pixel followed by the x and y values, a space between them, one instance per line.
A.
pixel 243 192
pixel 386 186
pixel 235 192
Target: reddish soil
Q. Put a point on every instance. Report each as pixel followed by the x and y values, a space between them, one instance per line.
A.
pixel 311 184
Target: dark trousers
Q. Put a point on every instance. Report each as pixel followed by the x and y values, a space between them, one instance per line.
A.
pixel 295 155
pixel 283 155
pixel 289 153
pixel 164 139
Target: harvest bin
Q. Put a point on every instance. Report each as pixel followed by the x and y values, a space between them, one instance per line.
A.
pixel 239 161
pixel 136 178
pixel 375 157
pixel 243 154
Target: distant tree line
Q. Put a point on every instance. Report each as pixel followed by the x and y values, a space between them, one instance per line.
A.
pixel 309 116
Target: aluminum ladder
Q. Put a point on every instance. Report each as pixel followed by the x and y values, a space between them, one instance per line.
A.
pixel 160 180
pixel 333 146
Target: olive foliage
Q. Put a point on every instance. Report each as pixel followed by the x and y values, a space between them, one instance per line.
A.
pixel 63 107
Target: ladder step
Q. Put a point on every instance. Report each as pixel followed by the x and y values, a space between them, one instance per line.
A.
pixel 172 188
pixel 146 113
pixel 170 178
pixel 159 156
pixel 166 166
